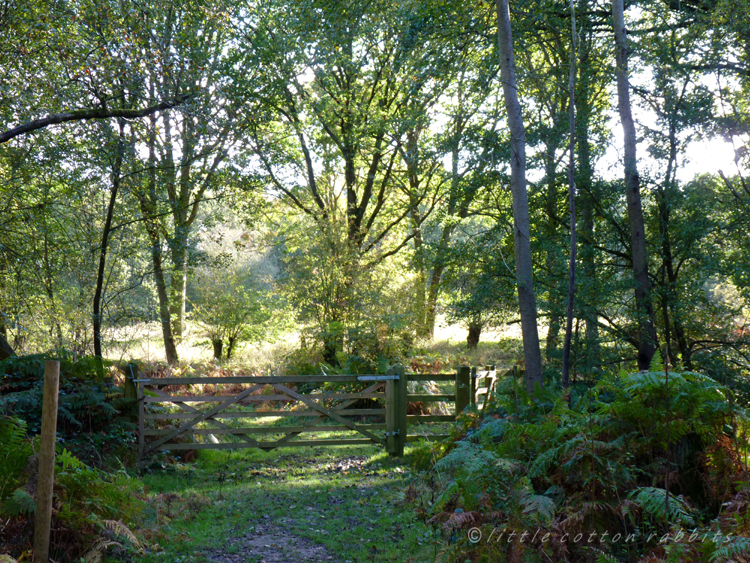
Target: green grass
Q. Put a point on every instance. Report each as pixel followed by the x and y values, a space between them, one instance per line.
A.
pixel 350 500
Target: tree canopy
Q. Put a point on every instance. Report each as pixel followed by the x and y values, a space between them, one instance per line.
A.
pixel 382 156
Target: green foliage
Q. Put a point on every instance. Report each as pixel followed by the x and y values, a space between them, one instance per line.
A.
pixel 87 496
pixel 20 503
pixel 653 501
pixel 92 413
pixel 88 502
pixel 735 548
pixel 598 465
pixel 14 455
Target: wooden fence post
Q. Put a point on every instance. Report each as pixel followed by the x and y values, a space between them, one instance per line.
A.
pixel 395 411
pixel 463 388
pixel 141 420
pixel 131 374
pixel 473 387
pixel 46 478
pixel 390 412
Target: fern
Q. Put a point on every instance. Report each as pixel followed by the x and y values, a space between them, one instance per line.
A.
pixel 602 557
pixel 652 500
pixel 20 503
pixel 735 547
pixel 539 505
pixel 119 529
pixel 656 362
pixel 14 454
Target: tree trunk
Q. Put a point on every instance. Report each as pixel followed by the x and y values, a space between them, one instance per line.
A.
pixel 6 351
pixel 553 258
pixel 521 231
pixel 148 207
pixel 218 345
pixel 646 334
pixel 572 201
pixel 584 181
pixel 161 289
pixel 230 347
pixel 432 296
pixel 670 297
pixel 475 331
pixel 178 284
pixel 99 290
pixel 553 334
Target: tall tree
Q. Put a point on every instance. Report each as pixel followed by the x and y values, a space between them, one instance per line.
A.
pixel 521 227
pixel 646 333
pixel 571 198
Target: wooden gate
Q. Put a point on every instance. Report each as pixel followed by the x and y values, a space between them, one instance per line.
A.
pixel 168 421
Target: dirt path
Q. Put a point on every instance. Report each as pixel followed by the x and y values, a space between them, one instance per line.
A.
pixel 291 507
pixel 269 543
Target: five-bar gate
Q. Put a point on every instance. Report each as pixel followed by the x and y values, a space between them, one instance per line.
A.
pixel 169 421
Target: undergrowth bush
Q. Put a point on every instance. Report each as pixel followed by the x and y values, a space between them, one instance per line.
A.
pixel 93 416
pixel 616 475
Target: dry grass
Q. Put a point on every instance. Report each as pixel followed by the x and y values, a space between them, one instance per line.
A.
pixel 143 342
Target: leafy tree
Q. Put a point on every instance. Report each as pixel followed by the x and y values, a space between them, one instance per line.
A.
pixel 232 291
pixel 349 84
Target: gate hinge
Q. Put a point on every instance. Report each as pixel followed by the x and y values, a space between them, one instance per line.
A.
pixel 394 433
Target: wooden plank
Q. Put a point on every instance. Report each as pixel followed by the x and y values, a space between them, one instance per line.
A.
pixel 266 414
pixel 266 445
pixel 432 398
pixel 254 380
pixel 401 406
pixel 267 429
pixel 431 377
pixel 473 386
pixel 211 421
pixel 184 427
pixel 328 412
pixel 428 437
pixel 259 398
pixel 417 418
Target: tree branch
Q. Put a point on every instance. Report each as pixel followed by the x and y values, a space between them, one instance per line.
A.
pixel 83 115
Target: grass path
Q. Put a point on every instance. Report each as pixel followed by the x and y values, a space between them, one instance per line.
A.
pixel 341 504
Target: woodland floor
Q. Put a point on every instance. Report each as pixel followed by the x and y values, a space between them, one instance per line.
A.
pixel 290 506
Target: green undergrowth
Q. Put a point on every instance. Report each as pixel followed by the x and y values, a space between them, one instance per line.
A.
pixel 93 511
pixel 95 421
pixel 638 467
pixel 349 500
